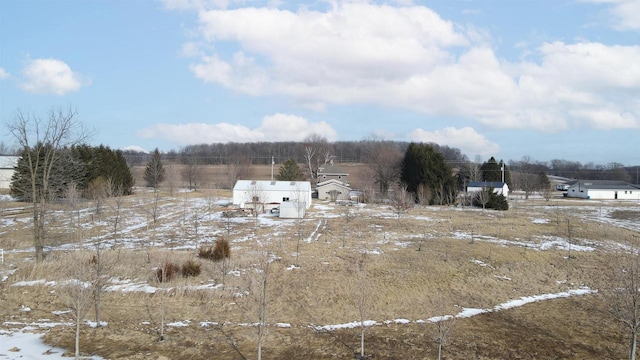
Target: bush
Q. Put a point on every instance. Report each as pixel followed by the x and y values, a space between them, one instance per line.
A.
pixel 205 252
pixel 190 268
pixel 219 251
pixel 167 271
pixel 222 249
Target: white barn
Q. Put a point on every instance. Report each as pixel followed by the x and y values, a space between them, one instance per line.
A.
pixel 604 190
pixel 7 167
pixel 274 192
pixel 500 188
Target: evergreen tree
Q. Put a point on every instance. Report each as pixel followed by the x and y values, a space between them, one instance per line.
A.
pixel 492 171
pixel 423 166
pixel 290 171
pixel 154 172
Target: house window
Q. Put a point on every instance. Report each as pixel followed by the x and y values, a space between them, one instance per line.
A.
pixel 285 199
pixel 255 199
pixel 324 176
pixel 339 176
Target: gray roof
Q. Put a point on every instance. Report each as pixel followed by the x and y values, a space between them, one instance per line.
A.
pixel 330 169
pixel 486 184
pixel 605 185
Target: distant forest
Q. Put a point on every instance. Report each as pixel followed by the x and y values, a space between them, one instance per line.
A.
pixel 367 152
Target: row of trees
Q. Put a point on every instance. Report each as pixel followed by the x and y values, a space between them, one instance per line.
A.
pixel 90 169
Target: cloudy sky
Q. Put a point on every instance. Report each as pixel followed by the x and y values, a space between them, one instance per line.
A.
pixel 548 79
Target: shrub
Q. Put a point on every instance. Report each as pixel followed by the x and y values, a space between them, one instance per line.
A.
pixel 221 250
pixel 167 271
pixel 190 268
pixel 205 252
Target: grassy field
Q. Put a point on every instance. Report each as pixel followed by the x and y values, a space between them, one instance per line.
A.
pixel 339 265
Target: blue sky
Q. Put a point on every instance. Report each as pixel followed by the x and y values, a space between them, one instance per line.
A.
pixel 547 79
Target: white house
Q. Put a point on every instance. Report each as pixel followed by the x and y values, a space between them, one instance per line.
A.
pixel 276 192
pixel 604 190
pixel 500 188
pixel 7 167
pixel 333 190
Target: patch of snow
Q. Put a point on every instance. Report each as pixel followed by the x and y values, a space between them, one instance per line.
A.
pixel 283 325
pixel 540 221
pixel 93 324
pixel 479 262
pixel 351 325
pixel 184 323
pixel 291 267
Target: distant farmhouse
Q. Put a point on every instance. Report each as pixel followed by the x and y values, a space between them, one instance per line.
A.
pixel 332 183
pixel 7 167
pixel 258 193
pixel 603 190
pixel 500 188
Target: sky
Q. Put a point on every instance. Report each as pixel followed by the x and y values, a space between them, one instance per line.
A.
pixel 545 79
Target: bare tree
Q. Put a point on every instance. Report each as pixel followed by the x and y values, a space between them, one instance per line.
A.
pixel 384 159
pixel 237 168
pixel 624 297
pixel 42 142
pixel 361 295
pixel 316 152
pixel 77 294
pixel 192 171
pixel 402 200
pixel 483 196
pixel 72 196
pixel 115 194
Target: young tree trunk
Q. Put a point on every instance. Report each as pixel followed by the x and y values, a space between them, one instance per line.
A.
pixel 634 345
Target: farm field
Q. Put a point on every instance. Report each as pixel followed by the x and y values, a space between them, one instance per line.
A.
pixel 522 284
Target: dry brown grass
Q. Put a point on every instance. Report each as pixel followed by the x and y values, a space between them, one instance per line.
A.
pixel 401 282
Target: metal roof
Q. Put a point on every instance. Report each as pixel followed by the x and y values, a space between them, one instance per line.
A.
pixel 486 184
pixel 268 185
pixel 605 185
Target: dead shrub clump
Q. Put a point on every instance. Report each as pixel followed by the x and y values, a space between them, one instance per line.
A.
pixel 167 271
pixel 190 268
pixel 220 251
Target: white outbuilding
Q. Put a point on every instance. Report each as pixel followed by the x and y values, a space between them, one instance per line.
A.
pixel 7 168
pixel 271 192
pixel 500 188
pixel 604 190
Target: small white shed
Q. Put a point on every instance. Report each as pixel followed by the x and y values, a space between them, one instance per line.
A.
pixel 500 188
pixel 292 210
pixel 266 191
pixel 7 168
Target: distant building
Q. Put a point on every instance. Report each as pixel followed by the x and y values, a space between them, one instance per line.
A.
pixel 271 192
pixel 498 187
pixel 332 183
pixel 603 190
pixel 7 168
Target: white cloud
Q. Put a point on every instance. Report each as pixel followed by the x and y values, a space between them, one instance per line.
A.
pixel 408 57
pixel 277 127
pixel 49 76
pixel 623 13
pixel 467 139
pixel 4 74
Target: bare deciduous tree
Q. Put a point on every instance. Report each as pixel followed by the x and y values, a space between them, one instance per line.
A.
pixel 402 200
pixel 77 295
pixel 623 297
pixel 42 142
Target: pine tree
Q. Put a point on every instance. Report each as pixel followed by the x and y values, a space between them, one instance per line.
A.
pixel 423 166
pixel 290 171
pixel 154 172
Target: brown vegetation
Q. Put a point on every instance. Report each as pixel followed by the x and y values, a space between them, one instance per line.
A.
pixel 503 263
